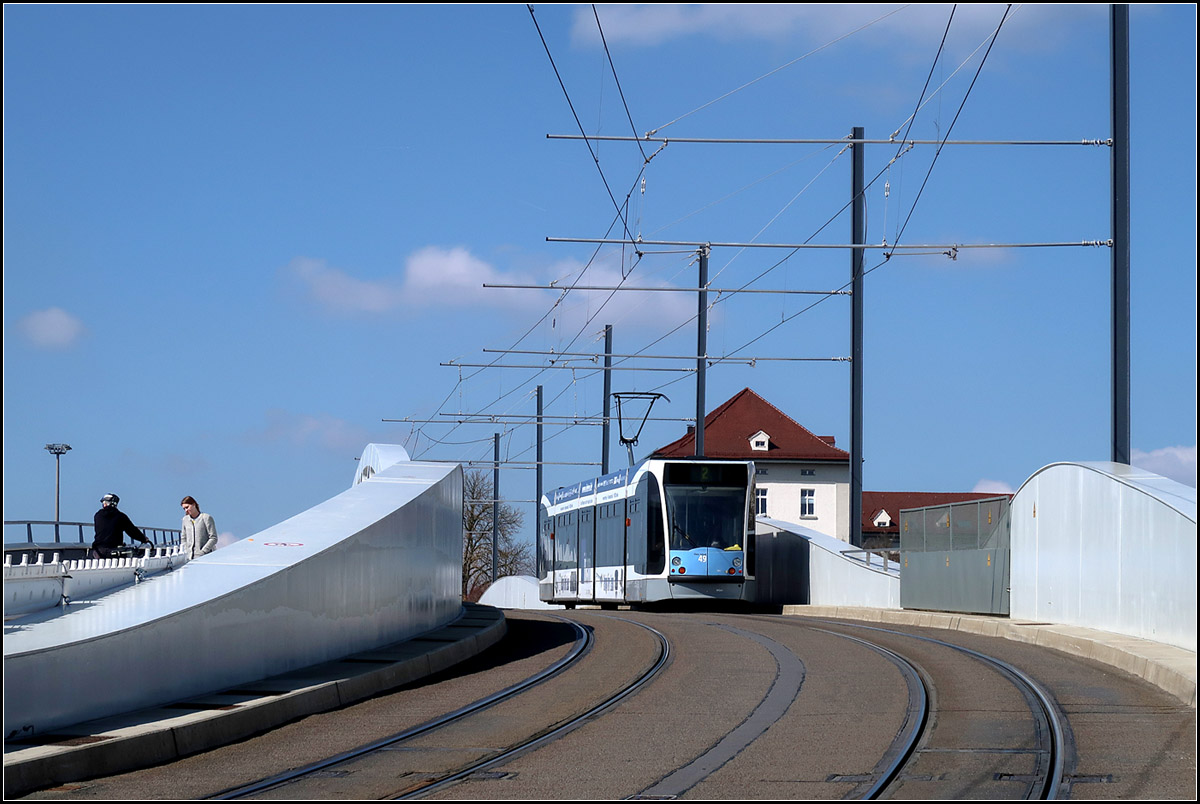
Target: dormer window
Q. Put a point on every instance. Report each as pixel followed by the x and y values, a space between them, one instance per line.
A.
pixel 883 519
pixel 760 442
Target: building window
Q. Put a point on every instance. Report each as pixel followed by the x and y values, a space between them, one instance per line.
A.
pixel 808 504
pixel 808 472
pixel 761 502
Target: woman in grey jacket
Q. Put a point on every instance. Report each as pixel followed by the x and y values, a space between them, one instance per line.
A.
pixel 199 531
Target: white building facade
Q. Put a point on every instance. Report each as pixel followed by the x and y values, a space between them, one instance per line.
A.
pixel 814 495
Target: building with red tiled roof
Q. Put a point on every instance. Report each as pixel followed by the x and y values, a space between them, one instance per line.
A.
pixel 881 511
pixel 800 477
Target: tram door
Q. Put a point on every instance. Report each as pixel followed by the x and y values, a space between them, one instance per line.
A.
pixel 610 551
pixel 638 514
pixel 545 556
pixel 587 554
pixel 566 556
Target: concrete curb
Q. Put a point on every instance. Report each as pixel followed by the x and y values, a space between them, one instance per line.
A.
pixel 162 734
pixel 1169 668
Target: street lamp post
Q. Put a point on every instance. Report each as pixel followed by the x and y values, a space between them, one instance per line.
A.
pixel 57 450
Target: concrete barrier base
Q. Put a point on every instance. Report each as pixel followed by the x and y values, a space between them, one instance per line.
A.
pixel 162 734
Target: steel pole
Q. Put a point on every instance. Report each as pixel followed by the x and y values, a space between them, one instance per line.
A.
pixel 1119 23
pixel 857 235
pixel 495 506
pixel 701 349
pixel 57 460
pixel 537 505
pixel 608 347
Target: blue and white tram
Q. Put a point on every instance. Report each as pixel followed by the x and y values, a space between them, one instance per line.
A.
pixel 661 530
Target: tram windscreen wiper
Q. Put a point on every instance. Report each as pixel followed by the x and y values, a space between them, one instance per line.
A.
pixel 675 527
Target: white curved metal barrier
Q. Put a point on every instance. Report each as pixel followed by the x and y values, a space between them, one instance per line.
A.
pixel 376 564
pixel 1106 546
pixel 34 586
pixel 840 575
pixel 515 592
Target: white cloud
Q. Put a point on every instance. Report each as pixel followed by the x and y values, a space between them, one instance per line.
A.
pixel 455 277
pixel 448 276
pixel 437 277
pixel 1176 463
pixel 53 328
pixel 630 308
pixel 986 486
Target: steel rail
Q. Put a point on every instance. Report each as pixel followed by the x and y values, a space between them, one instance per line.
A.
pixel 1043 708
pixel 555 733
pixel 916 719
pixel 781 694
pixel 583 645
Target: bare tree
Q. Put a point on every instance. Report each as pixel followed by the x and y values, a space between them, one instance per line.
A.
pixel 514 558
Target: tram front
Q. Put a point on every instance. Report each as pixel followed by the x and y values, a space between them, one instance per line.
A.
pixel 708 506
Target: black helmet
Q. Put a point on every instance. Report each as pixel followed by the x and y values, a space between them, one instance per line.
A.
pixel 109 499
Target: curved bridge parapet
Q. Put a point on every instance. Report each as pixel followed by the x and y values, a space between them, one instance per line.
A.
pixel 829 572
pixel 1106 546
pixel 378 563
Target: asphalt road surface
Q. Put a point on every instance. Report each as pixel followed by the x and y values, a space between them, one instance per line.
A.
pixel 730 707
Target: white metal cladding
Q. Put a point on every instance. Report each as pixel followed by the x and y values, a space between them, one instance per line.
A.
pixel 376 564
pixel 515 592
pixel 841 576
pixel 1106 546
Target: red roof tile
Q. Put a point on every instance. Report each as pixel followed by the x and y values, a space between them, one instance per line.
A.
pixel 727 432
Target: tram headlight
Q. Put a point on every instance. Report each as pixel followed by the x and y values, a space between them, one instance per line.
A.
pixel 676 561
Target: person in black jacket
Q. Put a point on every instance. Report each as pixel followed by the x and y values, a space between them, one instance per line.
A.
pixel 111 525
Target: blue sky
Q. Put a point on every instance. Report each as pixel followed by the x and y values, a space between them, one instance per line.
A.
pixel 238 238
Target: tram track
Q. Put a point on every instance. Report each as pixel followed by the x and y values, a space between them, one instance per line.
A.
pixel 420 785
pixel 788 681
pixel 741 706
pixel 906 759
pixel 583 644
pixel 1051 731
pixel 899 753
pixel 554 733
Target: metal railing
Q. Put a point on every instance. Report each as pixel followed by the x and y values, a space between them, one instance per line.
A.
pixel 971 525
pixel 60 532
pixel 888 554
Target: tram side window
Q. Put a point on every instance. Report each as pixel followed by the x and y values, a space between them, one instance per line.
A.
pixel 565 541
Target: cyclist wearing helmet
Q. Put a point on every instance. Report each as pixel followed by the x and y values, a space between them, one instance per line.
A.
pixel 111 525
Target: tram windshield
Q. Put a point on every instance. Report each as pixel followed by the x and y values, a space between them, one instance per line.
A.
pixel 706 514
